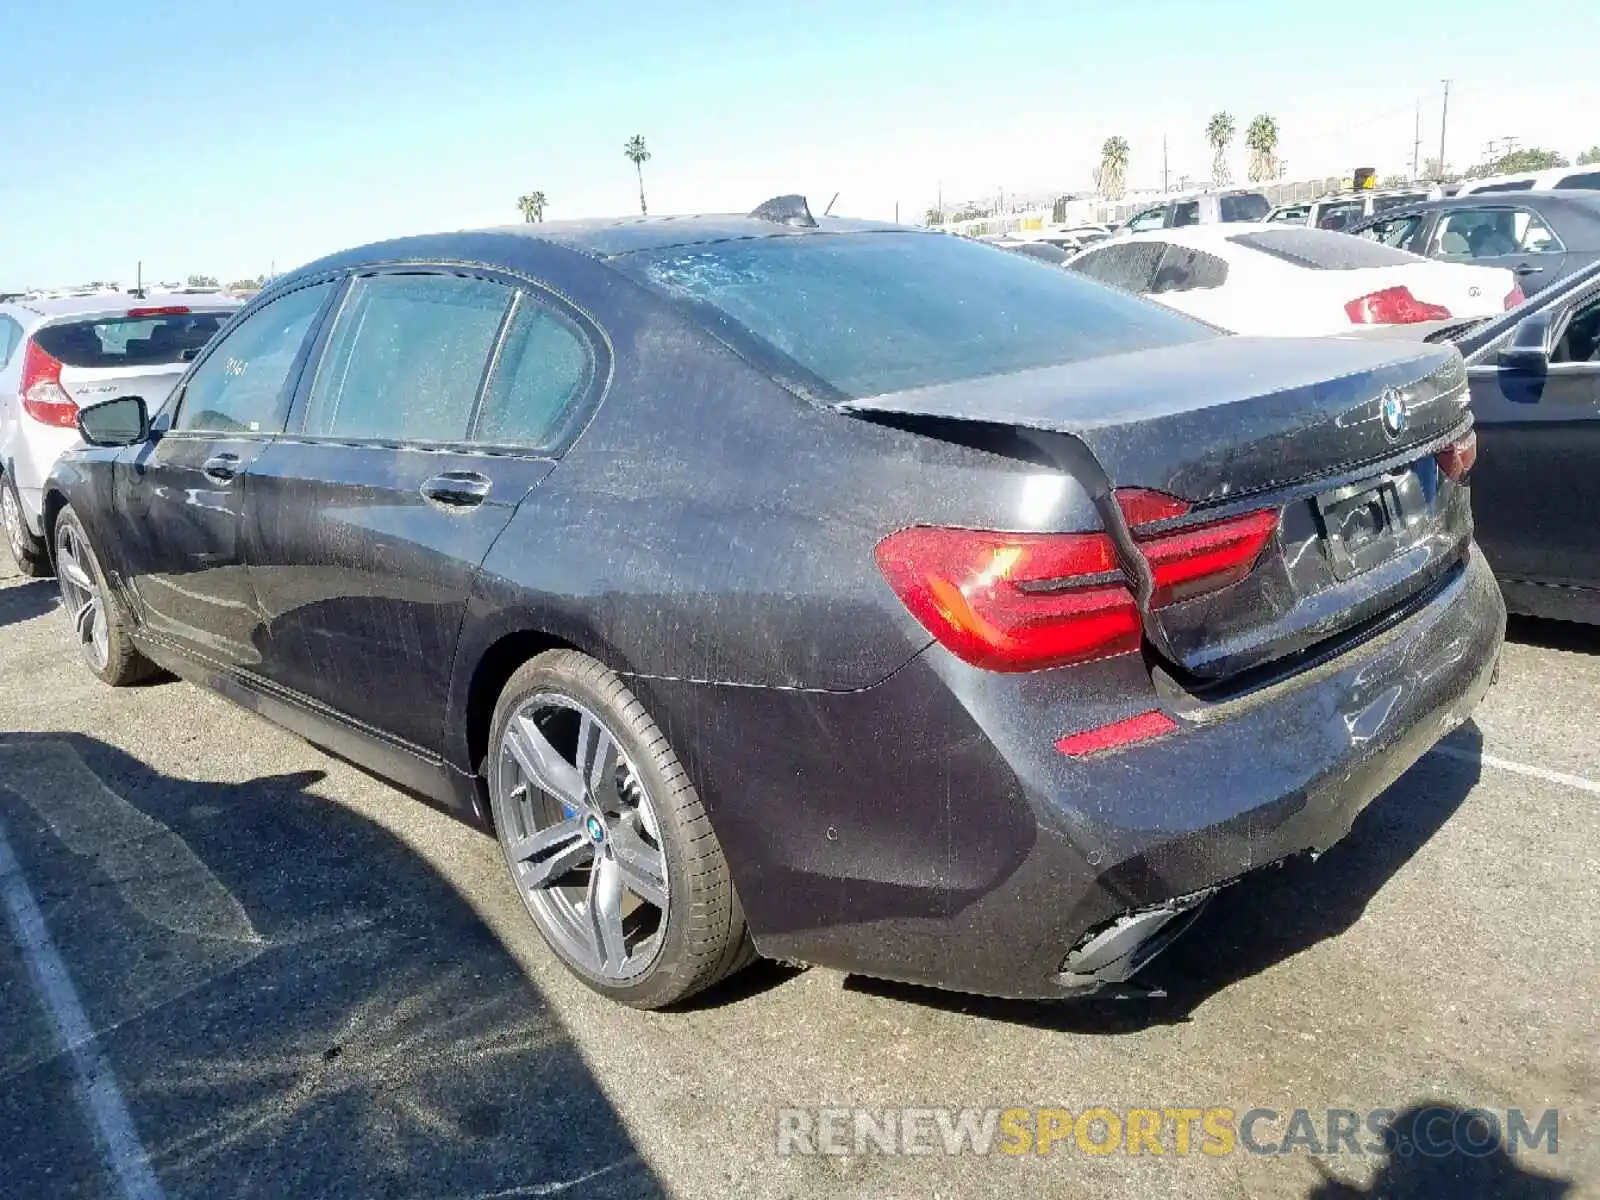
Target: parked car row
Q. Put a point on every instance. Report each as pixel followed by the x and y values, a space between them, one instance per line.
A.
pixel 821 589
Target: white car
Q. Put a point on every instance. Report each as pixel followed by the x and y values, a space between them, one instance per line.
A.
pixel 1555 179
pixel 1285 281
pixel 57 355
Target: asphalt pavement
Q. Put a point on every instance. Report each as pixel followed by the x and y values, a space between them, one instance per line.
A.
pixel 231 965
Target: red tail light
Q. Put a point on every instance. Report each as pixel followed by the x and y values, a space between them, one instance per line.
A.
pixel 1393 306
pixel 1515 296
pixel 1025 601
pixel 171 310
pixel 1456 459
pixel 43 397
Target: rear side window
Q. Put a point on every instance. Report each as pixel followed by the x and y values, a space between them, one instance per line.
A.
pixel 1248 206
pixel 406 357
pixel 1588 179
pixel 1396 231
pixel 1130 266
pixel 1153 218
pixel 10 339
pixel 242 387
pixel 870 313
pixel 1185 269
pixel 1321 250
pixel 1492 233
pixel 130 341
pixel 1187 213
pixel 545 366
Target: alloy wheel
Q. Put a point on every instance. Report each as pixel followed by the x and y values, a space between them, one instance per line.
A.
pixel 581 835
pixel 11 517
pixel 85 606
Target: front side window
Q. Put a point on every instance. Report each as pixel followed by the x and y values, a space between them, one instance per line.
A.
pixel 1580 341
pixel 870 313
pixel 1153 218
pixel 545 366
pixel 1491 233
pixel 405 358
pixel 243 385
pixel 1187 213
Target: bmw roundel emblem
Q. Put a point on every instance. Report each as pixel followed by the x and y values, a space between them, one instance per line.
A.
pixel 596 831
pixel 1392 408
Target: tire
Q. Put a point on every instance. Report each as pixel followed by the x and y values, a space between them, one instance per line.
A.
pixel 615 813
pixel 100 626
pixel 27 551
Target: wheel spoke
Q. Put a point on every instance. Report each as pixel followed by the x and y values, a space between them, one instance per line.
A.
pixel 84 620
pixel 549 854
pixel 643 867
pixel 543 764
pixel 605 916
pixel 72 571
pixel 597 760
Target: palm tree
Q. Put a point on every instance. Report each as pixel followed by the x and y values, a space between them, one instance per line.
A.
pixel 1111 176
pixel 1262 140
pixel 1219 134
pixel 532 206
pixel 638 155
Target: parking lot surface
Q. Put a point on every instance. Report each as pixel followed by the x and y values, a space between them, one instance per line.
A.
pixel 231 965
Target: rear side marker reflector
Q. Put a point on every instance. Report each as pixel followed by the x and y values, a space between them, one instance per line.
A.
pixel 1456 459
pixel 1027 601
pixel 1142 728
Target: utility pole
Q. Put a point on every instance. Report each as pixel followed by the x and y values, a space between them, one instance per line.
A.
pixel 1444 120
pixel 1510 143
pixel 1416 145
pixel 1163 164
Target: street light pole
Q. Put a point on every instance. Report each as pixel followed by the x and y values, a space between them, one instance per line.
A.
pixel 1444 118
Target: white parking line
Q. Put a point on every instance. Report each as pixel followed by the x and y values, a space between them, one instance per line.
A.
pixel 98 1091
pixel 1516 768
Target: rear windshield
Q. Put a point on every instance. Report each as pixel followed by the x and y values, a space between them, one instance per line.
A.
pixel 872 313
pixel 1385 203
pixel 1323 251
pixel 1251 206
pixel 129 341
pixel 1589 179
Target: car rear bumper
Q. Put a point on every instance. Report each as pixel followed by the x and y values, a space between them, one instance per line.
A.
pixel 928 830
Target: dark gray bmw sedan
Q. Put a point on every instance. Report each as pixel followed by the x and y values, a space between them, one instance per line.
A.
pixel 820 589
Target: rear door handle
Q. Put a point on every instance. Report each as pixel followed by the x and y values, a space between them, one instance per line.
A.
pixel 457 489
pixel 221 468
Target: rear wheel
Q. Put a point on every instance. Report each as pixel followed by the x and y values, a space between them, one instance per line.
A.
pixel 99 625
pixel 606 839
pixel 27 551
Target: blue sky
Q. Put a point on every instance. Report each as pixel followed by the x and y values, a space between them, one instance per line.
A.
pixel 224 136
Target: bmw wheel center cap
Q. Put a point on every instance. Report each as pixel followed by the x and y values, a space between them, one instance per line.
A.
pixel 596 828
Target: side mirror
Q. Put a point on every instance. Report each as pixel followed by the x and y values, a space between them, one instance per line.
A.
pixel 1531 345
pixel 124 421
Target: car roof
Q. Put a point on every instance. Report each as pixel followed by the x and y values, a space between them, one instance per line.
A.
pixel 110 302
pixel 1199 236
pixel 1585 205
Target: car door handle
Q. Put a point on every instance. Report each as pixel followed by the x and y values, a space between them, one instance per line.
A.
pixel 457 489
pixel 221 468
pixel 1529 269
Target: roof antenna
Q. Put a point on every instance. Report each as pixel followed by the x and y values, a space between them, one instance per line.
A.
pixel 786 210
pixel 831 203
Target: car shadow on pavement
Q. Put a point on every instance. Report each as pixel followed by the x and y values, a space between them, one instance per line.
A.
pixel 1465 1159
pixel 23 600
pixel 292 1000
pixel 1554 635
pixel 1262 919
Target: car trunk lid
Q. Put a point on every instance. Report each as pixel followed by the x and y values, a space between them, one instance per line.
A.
pixel 1234 425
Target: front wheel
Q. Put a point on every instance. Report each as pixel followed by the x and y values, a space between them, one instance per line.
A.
pixel 605 837
pixel 27 551
pixel 99 626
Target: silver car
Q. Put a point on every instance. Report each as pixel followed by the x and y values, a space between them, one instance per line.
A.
pixel 58 355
